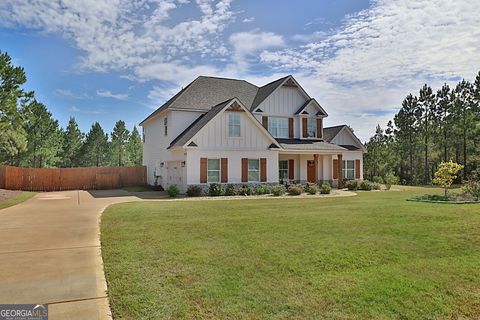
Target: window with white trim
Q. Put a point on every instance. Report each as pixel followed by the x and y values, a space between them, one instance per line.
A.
pixel 348 169
pixel 234 125
pixel 253 170
pixel 165 124
pixel 312 127
pixel 278 127
pixel 283 169
pixel 213 170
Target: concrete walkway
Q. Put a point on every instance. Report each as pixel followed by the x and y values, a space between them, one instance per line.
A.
pixel 50 253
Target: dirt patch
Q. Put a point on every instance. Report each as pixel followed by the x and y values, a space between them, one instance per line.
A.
pixel 6 194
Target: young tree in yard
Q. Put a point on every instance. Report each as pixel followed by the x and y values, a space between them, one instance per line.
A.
pixel 134 148
pixel 446 174
pixel 72 144
pixel 12 97
pixel 119 142
pixel 472 186
pixel 44 137
pixel 95 148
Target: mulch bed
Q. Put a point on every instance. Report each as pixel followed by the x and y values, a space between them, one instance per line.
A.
pixel 6 194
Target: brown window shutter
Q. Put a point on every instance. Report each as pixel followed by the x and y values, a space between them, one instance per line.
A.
pixel 319 128
pixel 290 128
pixel 263 169
pixel 305 127
pixel 357 169
pixel 291 169
pixel 244 170
pixel 203 170
pixel 224 170
pixel 335 169
pixel 265 122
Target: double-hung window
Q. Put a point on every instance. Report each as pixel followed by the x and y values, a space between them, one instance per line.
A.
pixel 348 169
pixel 283 169
pixel 253 170
pixel 165 124
pixel 312 127
pixel 234 125
pixel 278 127
pixel 213 170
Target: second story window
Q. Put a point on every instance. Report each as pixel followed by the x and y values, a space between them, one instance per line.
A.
pixel 278 127
pixel 312 127
pixel 234 125
pixel 143 134
pixel 165 124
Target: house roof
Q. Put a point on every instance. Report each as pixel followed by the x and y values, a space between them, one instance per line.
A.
pixel 265 91
pixel 350 147
pixel 331 132
pixel 321 111
pixel 205 92
pixel 299 144
pixel 198 124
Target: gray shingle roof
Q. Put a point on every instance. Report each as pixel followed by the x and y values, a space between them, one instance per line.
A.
pixel 330 132
pixel 298 144
pixel 198 124
pixel 205 92
pixel 265 91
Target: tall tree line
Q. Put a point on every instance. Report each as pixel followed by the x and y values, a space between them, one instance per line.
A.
pixel 31 137
pixel 428 129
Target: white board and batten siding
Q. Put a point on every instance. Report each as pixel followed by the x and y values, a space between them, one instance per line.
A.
pixel 284 102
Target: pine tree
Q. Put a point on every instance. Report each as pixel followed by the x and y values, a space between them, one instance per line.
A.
pixel 95 148
pixel 119 142
pixel 442 117
pixel 134 148
pixel 426 103
pixel 72 144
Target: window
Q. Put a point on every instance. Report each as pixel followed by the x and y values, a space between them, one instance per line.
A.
pixel 143 134
pixel 283 169
pixel 213 170
pixel 234 125
pixel 165 123
pixel 348 169
pixel 278 127
pixel 253 170
pixel 312 127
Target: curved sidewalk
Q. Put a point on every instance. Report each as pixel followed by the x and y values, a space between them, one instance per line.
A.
pixel 50 253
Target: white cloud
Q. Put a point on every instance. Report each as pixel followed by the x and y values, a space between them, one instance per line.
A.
pixel 109 94
pixel 86 111
pixel 248 20
pixel 70 94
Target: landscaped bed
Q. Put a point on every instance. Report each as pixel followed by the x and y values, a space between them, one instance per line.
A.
pixel 9 198
pixel 373 256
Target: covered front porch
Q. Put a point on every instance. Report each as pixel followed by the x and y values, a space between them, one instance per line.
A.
pixel 302 167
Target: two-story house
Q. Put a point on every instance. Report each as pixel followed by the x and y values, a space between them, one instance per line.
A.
pixel 230 131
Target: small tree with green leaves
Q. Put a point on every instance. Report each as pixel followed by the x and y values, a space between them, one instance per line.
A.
pixel 446 174
pixel 472 186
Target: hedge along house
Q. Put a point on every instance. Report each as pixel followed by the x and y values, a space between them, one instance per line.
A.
pixel 219 130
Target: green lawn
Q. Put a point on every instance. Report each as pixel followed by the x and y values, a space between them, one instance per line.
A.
pixel 17 199
pixel 372 256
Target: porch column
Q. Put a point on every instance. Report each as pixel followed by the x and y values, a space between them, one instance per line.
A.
pixel 340 171
pixel 315 161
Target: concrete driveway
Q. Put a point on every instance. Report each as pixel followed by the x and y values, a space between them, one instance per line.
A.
pixel 50 253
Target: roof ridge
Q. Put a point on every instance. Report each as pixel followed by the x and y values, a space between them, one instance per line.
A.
pixel 225 78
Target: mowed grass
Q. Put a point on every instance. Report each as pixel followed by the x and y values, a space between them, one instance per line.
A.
pixel 372 256
pixel 24 196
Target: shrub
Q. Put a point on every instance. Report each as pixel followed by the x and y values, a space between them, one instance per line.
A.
pixel 376 186
pixel 352 185
pixel 472 186
pixel 311 188
pixel 390 179
pixel 262 190
pixel 194 191
pixel 295 189
pixel 326 188
pixel 446 174
pixel 215 190
pixel 173 191
pixel 365 185
pixel 278 190
pixel 246 190
pixel 377 179
pixel 230 190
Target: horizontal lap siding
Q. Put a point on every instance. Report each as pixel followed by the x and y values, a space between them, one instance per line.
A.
pixel 57 179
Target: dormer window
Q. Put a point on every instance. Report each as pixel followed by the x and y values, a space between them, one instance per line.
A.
pixel 312 127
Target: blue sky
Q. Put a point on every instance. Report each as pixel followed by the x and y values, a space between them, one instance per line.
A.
pixel 101 60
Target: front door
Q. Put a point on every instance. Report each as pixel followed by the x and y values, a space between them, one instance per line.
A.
pixel 311 171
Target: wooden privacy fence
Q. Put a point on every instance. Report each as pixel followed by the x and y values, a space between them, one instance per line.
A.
pixel 57 179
